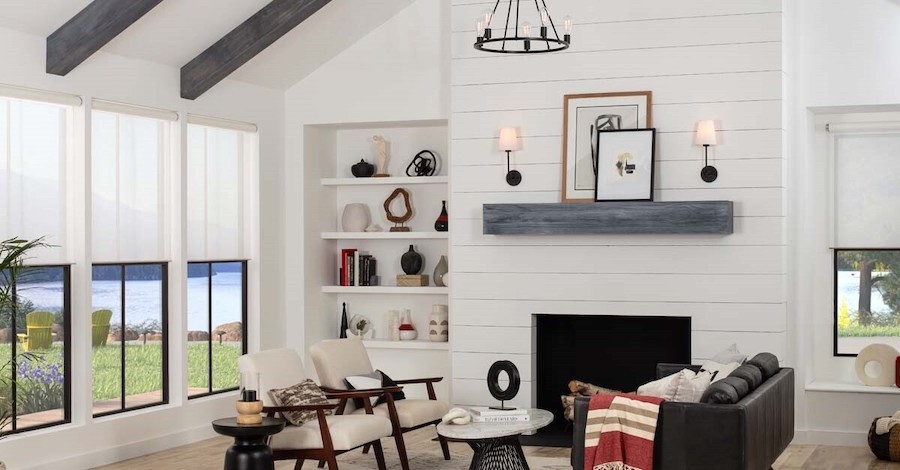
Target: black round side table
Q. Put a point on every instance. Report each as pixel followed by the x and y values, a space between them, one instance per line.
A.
pixel 250 451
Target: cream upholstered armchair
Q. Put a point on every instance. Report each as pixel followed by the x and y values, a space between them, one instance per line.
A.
pixel 327 436
pixel 338 359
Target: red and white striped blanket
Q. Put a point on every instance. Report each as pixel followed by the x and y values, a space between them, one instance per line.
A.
pixel 620 431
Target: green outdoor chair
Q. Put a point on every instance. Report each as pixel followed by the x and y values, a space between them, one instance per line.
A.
pixel 100 327
pixel 39 334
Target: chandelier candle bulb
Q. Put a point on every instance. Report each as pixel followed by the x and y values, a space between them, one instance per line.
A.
pixel 545 18
pixel 567 29
pixel 479 29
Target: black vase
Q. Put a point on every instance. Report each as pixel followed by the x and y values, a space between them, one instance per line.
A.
pixel 412 262
pixel 362 169
pixel 443 221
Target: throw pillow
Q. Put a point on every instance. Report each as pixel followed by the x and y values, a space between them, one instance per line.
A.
pixel 767 363
pixel 729 354
pixel 303 393
pixel 659 388
pixel 365 382
pixel 718 370
pixel 750 374
pixel 727 391
pixel 375 379
pixel 692 386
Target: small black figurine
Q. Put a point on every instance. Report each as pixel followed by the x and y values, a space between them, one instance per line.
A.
pixel 363 169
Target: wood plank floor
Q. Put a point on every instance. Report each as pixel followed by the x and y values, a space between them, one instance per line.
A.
pixel 208 455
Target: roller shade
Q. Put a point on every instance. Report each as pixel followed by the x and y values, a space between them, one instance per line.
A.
pixel 134 110
pixel 31 94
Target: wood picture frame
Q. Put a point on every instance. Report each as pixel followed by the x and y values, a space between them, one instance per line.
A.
pixel 626 160
pixel 633 110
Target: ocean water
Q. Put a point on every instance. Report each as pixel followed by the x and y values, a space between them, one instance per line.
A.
pixel 143 299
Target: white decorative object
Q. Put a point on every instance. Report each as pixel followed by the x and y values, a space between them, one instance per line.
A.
pixel 374 228
pixel 355 217
pixel 407 330
pixel 457 416
pixel 394 325
pixel 438 324
pixel 875 365
pixel 382 151
pixel 357 321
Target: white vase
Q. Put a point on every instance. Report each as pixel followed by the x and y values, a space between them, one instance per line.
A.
pixel 2 466
pixel 407 330
pixel 355 217
pixel 438 324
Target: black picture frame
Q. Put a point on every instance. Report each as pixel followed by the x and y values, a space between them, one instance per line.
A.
pixel 651 133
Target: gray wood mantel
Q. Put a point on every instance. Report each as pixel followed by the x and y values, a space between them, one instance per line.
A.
pixel 651 218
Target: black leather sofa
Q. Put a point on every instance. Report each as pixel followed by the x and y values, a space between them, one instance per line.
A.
pixel 748 435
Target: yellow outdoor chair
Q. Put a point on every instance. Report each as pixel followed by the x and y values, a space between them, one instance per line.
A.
pixel 100 327
pixel 39 334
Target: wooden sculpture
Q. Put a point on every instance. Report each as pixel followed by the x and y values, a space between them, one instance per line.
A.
pixel 399 221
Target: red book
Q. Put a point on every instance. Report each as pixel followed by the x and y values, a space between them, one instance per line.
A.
pixel 346 256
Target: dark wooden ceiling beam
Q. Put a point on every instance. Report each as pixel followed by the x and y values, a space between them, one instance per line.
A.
pixel 243 43
pixel 89 30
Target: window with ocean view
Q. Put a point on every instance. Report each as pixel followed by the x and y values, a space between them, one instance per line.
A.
pixel 217 270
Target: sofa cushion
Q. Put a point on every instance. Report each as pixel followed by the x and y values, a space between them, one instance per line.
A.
pixel 727 391
pixel 718 370
pixel 347 432
pixel 767 363
pixel 750 374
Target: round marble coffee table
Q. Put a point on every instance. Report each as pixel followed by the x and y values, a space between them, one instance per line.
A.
pixel 496 445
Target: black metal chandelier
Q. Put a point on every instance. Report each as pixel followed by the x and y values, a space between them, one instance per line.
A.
pixel 518 38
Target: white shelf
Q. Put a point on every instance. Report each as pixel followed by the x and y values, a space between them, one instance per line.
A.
pixel 386 290
pixel 417 344
pixel 384 235
pixel 391 180
pixel 848 387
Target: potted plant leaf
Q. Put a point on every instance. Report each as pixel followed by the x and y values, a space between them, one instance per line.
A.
pixel 13 253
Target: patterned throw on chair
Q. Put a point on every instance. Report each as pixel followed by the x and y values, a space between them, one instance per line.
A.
pixel 620 431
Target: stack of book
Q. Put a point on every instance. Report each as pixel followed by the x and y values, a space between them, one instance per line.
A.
pixel 357 269
pixel 483 414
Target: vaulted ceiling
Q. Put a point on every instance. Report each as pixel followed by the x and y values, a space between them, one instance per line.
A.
pixel 176 31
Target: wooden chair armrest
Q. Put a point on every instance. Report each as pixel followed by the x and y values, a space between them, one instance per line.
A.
pixel 419 381
pixel 281 409
pixel 361 393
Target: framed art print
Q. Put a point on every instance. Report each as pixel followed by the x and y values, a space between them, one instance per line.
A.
pixel 625 165
pixel 584 116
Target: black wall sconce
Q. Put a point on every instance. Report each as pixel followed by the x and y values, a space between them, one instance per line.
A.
pixel 509 142
pixel 706 136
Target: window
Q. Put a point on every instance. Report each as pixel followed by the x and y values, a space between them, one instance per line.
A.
pixel 35 389
pixel 866 235
pixel 217 267
pixel 129 239
pixel 35 329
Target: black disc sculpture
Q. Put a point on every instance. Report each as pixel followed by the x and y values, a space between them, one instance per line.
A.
pixel 493 382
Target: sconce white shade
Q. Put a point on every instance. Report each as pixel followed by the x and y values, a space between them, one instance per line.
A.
pixel 706 133
pixel 509 139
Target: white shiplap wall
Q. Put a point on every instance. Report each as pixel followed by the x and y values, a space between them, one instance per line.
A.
pixel 703 59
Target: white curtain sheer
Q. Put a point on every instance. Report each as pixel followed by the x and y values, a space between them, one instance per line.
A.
pixel 33 171
pixel 215 193
pixel 867 190
pixel 127 163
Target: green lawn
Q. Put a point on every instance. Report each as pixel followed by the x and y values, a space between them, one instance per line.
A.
pixel 866 331
pixel 143 370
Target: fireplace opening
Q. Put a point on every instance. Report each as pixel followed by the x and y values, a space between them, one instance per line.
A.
pixel 610 351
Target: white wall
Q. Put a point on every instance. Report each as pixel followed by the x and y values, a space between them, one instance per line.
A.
pixel 843 59
pixel 703 59
pixel 88 442
pixel 384 77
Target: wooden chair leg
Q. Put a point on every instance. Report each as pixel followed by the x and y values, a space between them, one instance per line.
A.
pixel 379 455
pixel 321 464
pixel 332 462
pixel 401 449
pixel 445 448
pixel 366 449
pixel 299 464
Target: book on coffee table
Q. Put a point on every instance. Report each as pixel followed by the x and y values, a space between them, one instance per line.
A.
pixel 484 412
pixel 501 419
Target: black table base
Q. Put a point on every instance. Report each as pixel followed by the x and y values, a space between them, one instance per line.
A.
pixel 249 453
pixel 502 453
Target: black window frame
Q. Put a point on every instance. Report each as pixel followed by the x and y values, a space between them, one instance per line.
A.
pixel 164 275
pixel 244 328
pixel 67 351
pixel 835 298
